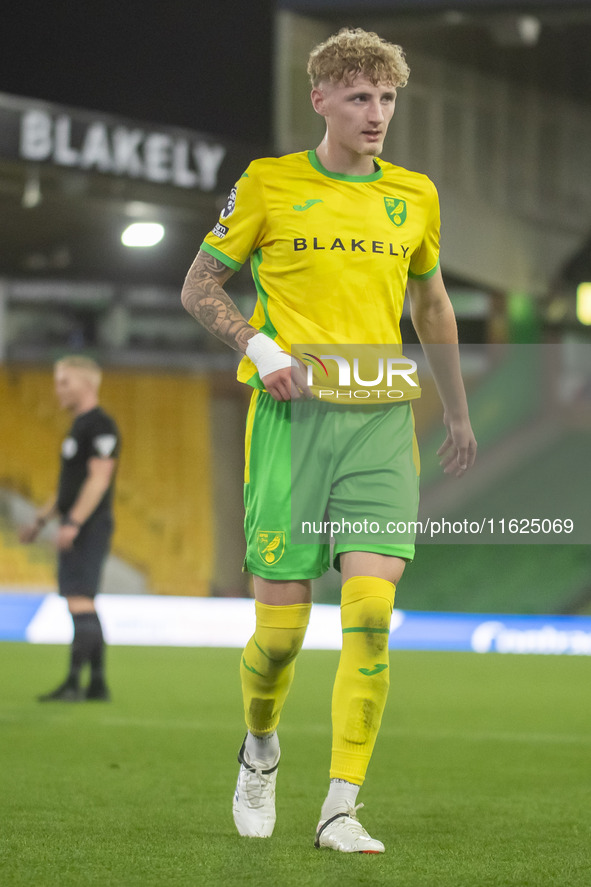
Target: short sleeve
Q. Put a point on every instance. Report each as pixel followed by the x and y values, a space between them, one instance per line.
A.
pixel 104 441
pixel 238 231
pixel 425 258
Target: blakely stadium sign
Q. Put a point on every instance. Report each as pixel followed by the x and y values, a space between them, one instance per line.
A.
pixel 36 131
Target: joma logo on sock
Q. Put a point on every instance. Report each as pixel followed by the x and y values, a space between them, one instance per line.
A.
pixel 368 672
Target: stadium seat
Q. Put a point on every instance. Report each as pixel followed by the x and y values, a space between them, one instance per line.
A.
pixel 163 506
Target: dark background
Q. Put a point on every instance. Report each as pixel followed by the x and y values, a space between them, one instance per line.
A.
pixel 203 65
pixel 208 66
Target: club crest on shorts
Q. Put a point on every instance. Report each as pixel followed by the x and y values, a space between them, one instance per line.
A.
pixel 396 210
pixel 270 546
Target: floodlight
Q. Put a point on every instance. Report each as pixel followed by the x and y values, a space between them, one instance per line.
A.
pixel 584 303
pixel 143 234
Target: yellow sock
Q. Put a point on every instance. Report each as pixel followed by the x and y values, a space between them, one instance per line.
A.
pixel 363 676
pixel 268 663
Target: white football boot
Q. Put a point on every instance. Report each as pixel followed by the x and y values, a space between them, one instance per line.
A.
pixel 344 832
pixel 254 798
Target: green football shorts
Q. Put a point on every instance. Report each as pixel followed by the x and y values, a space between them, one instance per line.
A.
pixel 319 472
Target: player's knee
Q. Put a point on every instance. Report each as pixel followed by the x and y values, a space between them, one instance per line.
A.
pixel 361 592
pixel 373 624
pixel 280 631
pixel 374 612
pixel 366 613
pixel 280 645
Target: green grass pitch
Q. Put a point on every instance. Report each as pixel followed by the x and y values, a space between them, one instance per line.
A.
pixel 481 776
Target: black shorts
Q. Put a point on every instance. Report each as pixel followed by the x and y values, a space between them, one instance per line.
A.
pixel 79 569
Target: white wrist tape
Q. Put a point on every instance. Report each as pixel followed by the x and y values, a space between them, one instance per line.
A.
pixel 266 355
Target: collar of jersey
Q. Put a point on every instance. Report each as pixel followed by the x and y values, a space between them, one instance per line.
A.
pixel 341 177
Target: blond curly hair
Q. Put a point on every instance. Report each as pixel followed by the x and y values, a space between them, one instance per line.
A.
pixel 353 51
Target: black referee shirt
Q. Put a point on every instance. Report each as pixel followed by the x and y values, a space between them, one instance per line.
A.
pixel 93 435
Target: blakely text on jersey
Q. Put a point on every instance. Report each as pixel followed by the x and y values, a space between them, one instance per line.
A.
pixel 350 245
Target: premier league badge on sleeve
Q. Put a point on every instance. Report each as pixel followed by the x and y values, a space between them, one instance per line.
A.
pixel 229 207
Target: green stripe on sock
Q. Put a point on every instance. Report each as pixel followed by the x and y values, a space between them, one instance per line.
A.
pixel 368 630
pixel 250 668
pixel 260 649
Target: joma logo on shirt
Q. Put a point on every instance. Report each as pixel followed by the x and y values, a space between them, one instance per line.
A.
pixel 354 246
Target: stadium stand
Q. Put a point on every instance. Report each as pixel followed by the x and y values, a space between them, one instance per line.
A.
pixel 163 507
pixel 533 454
pixel 499 579
pixel 506 398
pixel 30 568
pixel 165 510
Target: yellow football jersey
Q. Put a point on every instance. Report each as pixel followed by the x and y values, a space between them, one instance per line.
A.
pixel 330 254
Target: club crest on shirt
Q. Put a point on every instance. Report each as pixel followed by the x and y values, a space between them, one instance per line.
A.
pixel 270 546
pixel 69 448
pixel 396 210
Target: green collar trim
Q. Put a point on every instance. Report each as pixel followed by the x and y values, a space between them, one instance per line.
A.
pixel 341 177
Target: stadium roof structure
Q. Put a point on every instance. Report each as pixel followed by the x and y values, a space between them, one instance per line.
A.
pixel 71 180
pixel 541 43
pixel 64 207
pixel 322 7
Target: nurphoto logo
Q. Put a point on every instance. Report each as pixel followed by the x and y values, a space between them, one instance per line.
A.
pixel 360 372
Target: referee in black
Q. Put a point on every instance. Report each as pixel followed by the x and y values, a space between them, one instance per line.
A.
pixel 84 507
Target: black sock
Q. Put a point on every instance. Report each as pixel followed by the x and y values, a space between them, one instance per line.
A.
pixel 97 657
pixel 87 646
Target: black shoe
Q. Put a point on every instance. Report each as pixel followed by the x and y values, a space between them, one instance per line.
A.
pixel 98 691
pixel 65 693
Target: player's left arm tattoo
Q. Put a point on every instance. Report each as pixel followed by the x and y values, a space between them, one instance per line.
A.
pixel 205 299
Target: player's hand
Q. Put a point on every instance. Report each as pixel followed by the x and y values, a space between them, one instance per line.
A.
pixel 458 450
pixel 65 536
pixel 29 533
pixel 289 383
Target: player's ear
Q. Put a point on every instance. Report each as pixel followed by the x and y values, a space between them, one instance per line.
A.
pixel 318 98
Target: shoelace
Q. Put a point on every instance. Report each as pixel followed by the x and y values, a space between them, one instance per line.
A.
pixel 256 790
pixel 352 823
pixel 344 822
